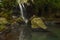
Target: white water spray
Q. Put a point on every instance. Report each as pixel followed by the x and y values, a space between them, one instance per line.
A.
pixel 23 9
pixel 23 13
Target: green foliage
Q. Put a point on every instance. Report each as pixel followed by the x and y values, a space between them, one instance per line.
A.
pixel 52 3
pixel 8 4
pixel 6 11
pixel 40 2
pixel 6 7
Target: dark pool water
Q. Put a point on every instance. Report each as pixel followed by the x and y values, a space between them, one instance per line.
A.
pixel 54 33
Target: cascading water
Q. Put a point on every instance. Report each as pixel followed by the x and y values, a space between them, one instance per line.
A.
pixel 23 12
pixel 24 17
pixel 24 35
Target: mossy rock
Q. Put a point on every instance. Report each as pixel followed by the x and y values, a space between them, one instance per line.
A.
pixel 3 20
pixel 2 27
pixel 3 23
pixel 37 22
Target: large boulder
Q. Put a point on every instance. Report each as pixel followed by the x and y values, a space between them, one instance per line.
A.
pixel 37 22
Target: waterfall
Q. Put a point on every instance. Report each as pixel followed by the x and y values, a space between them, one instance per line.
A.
pixel 23 12
pixel 24 16
pixel 24 27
